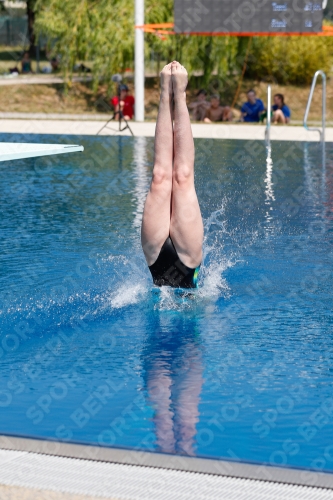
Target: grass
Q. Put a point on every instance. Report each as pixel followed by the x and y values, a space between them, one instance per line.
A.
pixel 50 99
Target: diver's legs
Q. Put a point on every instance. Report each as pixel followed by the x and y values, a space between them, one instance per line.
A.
pixel 156 214
pixel 186 227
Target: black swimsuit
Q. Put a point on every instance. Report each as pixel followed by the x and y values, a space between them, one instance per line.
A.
pixel 168 269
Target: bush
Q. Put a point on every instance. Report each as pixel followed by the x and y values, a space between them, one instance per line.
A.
pixel 289 60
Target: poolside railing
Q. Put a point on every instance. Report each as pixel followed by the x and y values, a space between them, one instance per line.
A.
pixel 314 81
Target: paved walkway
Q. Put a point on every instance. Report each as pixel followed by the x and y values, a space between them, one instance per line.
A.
pixel 38 123
pixel 38 79
pixel 54 116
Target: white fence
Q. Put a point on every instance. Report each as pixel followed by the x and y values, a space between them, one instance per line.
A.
pixel 14 31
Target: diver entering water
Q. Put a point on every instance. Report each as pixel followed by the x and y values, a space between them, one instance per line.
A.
pixel 172 227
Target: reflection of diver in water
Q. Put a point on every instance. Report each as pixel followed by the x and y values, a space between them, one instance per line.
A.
pixel 173 374
pixel 172 228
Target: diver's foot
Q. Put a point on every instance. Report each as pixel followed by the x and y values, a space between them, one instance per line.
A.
pixel 179 79
pixel 166 82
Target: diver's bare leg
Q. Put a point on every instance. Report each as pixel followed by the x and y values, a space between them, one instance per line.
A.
pixel 186 399
pixel 186 227
pixel 159 389
pixel 156 214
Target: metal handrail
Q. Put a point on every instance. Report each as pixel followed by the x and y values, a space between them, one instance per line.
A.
pixel 314 81
pixel 268 119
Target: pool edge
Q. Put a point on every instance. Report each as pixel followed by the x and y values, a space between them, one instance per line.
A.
pixel 300 477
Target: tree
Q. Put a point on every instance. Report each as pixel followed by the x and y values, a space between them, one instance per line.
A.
pixel 31 26
pixel 102 32
pixel 88 30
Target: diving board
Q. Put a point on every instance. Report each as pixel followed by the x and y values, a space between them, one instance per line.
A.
pixel 20 150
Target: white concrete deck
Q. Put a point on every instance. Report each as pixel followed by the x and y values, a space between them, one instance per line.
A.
pixel 20 493
pixel 128 482
pixel 38 123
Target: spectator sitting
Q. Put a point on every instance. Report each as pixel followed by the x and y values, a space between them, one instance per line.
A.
pixel 54 63
pixel 82 68
pixel 281 112
pixel 216 112
pixel 14 71
pixel 47 69
pixel 253 108
pixel 26 63
pixel 126 104
pixel 199 106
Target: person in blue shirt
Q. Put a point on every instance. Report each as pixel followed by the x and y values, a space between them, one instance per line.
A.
pixel 281 112
pixel 253 108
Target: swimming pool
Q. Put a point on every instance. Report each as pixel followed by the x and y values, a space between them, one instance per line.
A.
pixel 91 352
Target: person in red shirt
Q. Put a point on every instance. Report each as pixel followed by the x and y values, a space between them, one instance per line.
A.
pixel 126 104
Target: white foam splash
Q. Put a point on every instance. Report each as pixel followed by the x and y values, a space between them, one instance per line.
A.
pixel 212 284
pixel 170 299
pixel 128 294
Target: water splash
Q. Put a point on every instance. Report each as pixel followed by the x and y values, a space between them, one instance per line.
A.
pixel 128 294
pixel 215 261
pixel 122 281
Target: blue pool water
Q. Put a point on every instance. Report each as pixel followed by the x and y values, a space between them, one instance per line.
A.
pixel 91 352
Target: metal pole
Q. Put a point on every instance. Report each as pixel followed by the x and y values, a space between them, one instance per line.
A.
pixel 269 105
pixel 324 108
pixel 268 119
pixel 139 80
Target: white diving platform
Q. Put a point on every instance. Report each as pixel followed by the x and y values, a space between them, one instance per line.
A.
pixel 20 150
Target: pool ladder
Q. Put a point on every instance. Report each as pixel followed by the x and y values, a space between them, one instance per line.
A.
pixel 314 81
